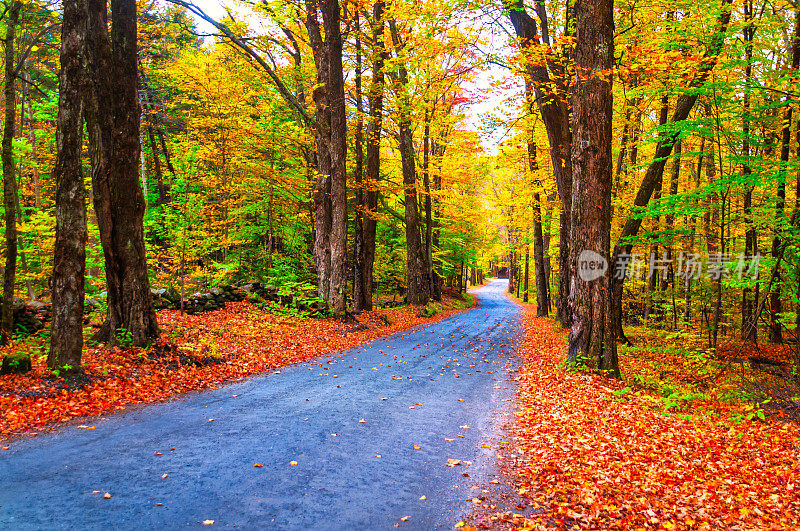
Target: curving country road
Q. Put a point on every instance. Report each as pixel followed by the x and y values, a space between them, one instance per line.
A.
pixel 368 476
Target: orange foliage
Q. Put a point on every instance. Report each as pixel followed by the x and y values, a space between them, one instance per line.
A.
pixel 585 457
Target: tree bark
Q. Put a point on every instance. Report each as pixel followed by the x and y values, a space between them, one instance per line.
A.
pixel 363 281
pixel 69 263
pixel 417 278
pixel 358 215
pixel 555 113
pixel 113 123
pixel 9 175
pixel 338 156
pixel 322 133
pixel 591 336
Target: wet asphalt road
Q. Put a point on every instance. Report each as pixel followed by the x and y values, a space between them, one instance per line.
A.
pixel 339 482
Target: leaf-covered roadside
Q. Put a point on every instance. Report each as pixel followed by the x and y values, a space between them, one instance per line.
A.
pixel 584 456
pixel 200 352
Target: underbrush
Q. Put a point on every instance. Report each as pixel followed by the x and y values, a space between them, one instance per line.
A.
pixel 691 379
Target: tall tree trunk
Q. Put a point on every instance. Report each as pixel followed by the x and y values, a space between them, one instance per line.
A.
pixel 322 134
pixel 69 263
pixel 555 112
pixel 364 288
pixel 113 123
pixel 652 278
pixel 426 184
pixel 749 333
pixel 338 147
pixel 540 272
pixel 527 273
pixel 9 175
pixel 358 233
pixel 711 220
pixel 438 151
pixel 417 278
pixel 669 281
pixel 546 236
pixel 591 336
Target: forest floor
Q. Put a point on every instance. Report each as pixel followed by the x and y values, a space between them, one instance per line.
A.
pixel 195 352
pixel 671 446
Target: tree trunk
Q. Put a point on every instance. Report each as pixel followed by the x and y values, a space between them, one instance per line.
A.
pixel 363 282
pixel 113 123
pixel 527 273
pixel 652 277
pixel 358 233
pixel 775 304
pixel 591 336
pixel 417 278
pixel 9 176
pixel 669 281
pixel 555 113
pixel 748 333
pixel 540 271
pixel 322 134
pixel 69 263
pixel 438 151
pixel 338 151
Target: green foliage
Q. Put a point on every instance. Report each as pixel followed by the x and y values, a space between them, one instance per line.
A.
pixel 124 337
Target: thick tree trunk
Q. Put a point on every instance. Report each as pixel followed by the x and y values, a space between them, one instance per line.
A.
pixel 69 263
pixel 113 119
pixel 591 336
pixel 9 175
pixel 338 151
pixel 363 281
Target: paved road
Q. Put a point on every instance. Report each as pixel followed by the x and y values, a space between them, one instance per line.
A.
pixel 368 476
